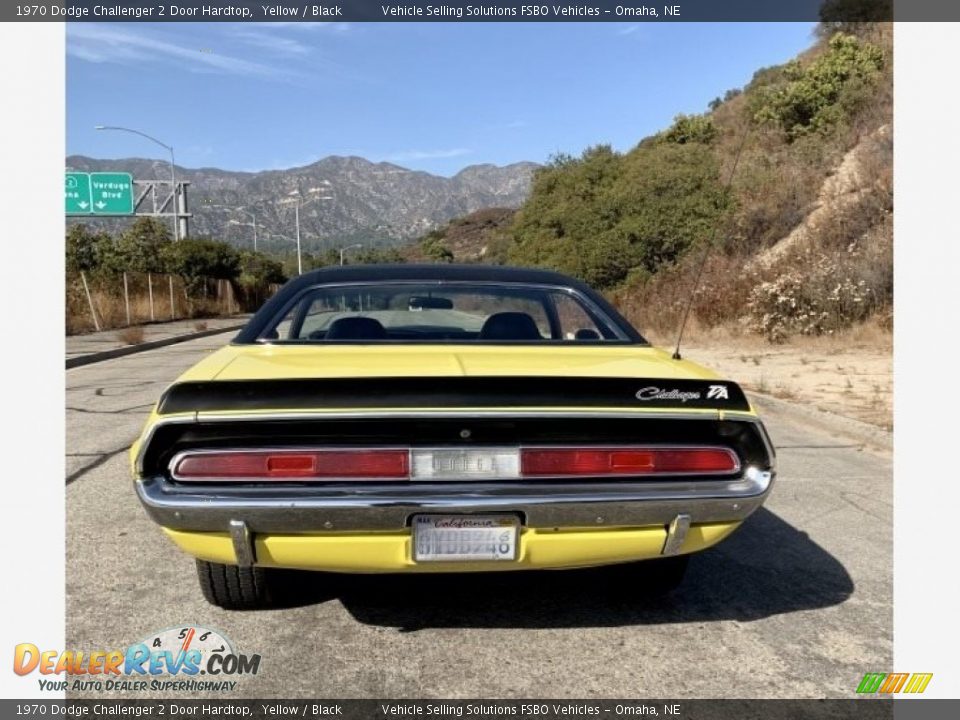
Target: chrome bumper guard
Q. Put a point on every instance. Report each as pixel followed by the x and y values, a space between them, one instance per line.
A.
pixel 367 508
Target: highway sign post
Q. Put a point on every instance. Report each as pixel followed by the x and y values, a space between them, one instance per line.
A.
pixel 117 194
pixel 76 188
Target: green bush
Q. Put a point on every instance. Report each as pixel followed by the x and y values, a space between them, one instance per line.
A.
pixel 691 129
pixel 818 96
pixel 197 259
pixel 604 215
pixel 434 247
pixel 142 247
pixel 85 249
pixel 258 270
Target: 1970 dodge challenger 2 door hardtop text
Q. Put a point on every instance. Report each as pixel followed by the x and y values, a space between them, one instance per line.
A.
pixel 444 418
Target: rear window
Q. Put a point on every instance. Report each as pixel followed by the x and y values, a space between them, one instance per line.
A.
pixel 442 312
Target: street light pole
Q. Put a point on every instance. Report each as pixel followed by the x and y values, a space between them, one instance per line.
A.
pixel 348 247
pixel 299 256
pixel 253 217
pixel 173 172
pixel 298 203
pixel 289 239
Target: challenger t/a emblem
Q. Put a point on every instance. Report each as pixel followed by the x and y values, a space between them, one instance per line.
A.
pixel 655 393
pixel 718 392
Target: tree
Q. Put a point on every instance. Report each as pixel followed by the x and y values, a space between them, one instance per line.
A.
pixel 373 256
pixel 195 260
pixel 434 247
pixel 258 270
pixel 85 249
pixel 140 248
pixel 852 16
pixel 605 215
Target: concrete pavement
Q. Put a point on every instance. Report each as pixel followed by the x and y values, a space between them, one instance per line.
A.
pixel 106 340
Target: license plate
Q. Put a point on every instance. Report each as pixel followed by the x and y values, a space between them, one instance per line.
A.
pixel 464 537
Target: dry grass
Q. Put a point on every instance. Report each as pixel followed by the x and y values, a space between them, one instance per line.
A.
pixel 848 373
pixel 874 334
pixel 108 302
pixel 132 335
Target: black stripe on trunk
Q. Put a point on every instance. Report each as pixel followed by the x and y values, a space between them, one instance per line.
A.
pixel 439 393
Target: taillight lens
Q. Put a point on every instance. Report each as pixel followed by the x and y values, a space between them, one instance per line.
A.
pixel 451 464
pixel 294 465
pixel 625 461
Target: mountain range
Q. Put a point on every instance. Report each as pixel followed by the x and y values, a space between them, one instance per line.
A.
pixel 374 203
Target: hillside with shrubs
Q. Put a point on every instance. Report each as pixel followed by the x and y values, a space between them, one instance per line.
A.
pixel 800 242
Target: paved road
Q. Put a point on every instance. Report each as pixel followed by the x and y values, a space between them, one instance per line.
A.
pixel 798 603
pixel 98 342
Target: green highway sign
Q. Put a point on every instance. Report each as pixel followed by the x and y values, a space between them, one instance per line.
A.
pixel 111 193
pixel 76 186
pixel 99 193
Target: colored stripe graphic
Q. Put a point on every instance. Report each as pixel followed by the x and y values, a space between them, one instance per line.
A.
pixel 918 683
pixel 871 682
pixel 893 683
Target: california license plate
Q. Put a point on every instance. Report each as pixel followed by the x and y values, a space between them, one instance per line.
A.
pixel 464 537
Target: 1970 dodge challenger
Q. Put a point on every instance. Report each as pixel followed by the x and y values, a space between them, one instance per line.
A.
pixel 444 418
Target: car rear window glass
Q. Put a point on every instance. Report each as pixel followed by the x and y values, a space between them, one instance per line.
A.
pixel 441 312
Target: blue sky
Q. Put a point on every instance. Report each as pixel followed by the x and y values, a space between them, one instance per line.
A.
pixel 433 96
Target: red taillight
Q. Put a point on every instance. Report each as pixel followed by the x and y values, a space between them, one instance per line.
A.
pixel 451 464
pixel 294 465
pixel 625 461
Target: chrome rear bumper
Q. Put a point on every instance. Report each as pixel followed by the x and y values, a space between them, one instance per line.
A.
pixel 384 507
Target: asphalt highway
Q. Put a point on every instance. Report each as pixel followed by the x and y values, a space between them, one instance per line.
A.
pixel 797 603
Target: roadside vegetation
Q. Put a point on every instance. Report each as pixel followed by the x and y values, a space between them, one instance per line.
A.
pixel 160 279
pixel 799 244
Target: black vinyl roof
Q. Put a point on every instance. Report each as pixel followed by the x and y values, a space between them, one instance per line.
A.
pixel 432 273
pixel 438 271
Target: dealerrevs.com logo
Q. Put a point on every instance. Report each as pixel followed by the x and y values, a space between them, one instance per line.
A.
pixel 186 658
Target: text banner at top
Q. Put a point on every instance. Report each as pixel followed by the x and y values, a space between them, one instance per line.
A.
pixel 839 11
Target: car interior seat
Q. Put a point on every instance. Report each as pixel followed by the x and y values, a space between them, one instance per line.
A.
pixel 510 326
pixel 356 328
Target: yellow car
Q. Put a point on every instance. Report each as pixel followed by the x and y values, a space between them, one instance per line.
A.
pixel 444 418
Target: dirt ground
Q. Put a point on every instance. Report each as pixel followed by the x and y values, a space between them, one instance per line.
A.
pixel 849 374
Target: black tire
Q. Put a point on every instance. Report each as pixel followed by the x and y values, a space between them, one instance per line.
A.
pixel 234 588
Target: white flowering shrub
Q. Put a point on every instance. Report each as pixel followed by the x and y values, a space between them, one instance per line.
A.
pixel 814 294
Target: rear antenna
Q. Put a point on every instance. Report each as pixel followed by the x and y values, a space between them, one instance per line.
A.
pixel 709 245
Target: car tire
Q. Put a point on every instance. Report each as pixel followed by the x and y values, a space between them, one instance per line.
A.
pixel 234 588
pixel 664 575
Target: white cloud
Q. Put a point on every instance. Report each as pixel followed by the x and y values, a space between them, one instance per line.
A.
pixel 628 30
pixel 407 155
pixel 107 44
pixel 270 41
